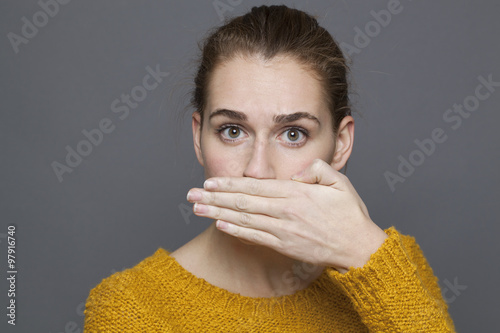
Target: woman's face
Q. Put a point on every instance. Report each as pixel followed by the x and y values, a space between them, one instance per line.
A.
pixel 265 120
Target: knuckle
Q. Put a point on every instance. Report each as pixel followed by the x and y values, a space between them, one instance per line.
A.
pixel 253 186
pixel 245 219
pixel 289 211
pixel 241 202
pixel 317 164
pixel 229 183
pixel 256 238
pixel 218 213
pixel 280 247
pixel 211 198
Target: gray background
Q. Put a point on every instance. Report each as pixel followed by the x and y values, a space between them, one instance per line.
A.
pixel 127 197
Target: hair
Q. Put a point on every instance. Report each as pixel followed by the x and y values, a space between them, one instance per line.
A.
pixel 270 31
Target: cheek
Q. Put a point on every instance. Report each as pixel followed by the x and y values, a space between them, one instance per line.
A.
pixel 221 166
pixel 217 161
pixel 293 166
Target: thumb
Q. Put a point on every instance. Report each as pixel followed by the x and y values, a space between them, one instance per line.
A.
pixel 318 172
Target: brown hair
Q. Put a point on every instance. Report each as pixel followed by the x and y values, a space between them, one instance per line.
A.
pixel 268 31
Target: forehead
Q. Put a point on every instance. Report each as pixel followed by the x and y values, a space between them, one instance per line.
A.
pixel 257 87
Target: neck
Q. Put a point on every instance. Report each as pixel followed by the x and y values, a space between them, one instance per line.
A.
pixel 254 270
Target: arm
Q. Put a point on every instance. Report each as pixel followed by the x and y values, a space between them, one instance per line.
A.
pixel 396 291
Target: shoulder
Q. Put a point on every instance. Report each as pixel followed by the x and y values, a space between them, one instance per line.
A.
pixel 120 289
pixel 118 302
pixel 140 271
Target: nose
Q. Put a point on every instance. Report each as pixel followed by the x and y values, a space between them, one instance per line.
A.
pixel 259 163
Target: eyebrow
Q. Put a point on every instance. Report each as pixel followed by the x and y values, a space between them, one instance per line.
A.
pixel 278 119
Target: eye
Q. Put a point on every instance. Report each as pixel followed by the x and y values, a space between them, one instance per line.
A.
pixel 294 136
pixel 229 132
pixel 297 136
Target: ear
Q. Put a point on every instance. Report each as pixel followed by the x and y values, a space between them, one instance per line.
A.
pixel 343 143
pixel 196 124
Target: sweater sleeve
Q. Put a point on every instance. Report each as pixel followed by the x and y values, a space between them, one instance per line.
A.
pixel 396 290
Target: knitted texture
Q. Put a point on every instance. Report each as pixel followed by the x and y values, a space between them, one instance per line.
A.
pixel 396 291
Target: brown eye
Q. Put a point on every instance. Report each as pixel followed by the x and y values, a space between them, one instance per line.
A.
pixel 229 132
pixel 293 135
pixel 233 132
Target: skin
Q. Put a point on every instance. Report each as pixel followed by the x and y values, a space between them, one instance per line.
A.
pixel 275 232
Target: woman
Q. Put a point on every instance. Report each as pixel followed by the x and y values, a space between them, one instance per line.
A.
pixel 292 247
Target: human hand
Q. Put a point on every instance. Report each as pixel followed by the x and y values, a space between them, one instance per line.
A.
pixel 317 218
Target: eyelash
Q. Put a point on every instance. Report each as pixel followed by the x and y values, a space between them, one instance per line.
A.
pixel 300 129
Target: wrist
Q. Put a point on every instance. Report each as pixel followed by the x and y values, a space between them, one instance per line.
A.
pixel 372 240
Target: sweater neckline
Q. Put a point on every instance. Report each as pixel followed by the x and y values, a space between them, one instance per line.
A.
pixel 219 297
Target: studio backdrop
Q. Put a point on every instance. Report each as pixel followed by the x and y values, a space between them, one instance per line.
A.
pixel 97 151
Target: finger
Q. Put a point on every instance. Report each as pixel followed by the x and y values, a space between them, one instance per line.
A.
pixel 275 188
pixel 246 220
pixel 322 173
pixel 255 236
pixel 241 202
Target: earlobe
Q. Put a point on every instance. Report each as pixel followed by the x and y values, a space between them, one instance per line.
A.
pixel 196 125
pixel 344 143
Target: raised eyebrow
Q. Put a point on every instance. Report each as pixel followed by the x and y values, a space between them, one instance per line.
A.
pixel 288 118
pixel 278 119
pixel 236 115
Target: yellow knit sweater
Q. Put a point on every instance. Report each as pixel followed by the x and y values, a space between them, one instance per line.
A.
pixel 396 291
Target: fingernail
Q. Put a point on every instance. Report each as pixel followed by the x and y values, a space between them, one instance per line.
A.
pixel 199 208
pixel 209 184
pixel 193 195
pixel 221 224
